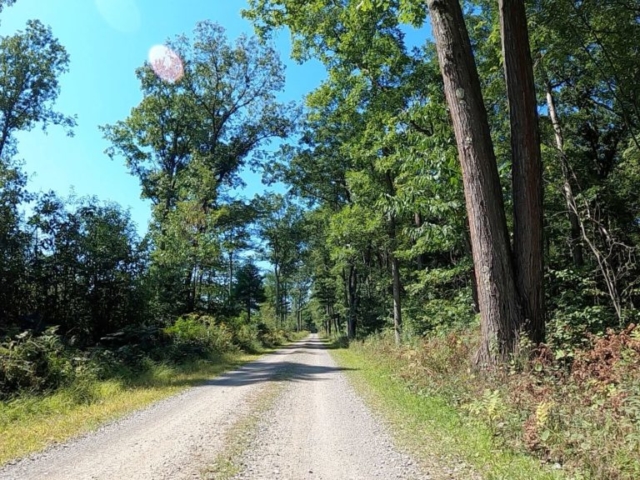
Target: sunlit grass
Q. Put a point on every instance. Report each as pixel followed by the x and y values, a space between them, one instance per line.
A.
pixel 30 424
pixel 429 427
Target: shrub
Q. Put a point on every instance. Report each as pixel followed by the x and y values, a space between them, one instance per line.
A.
pixel 199 336
pixel 579 408
pixel 37 363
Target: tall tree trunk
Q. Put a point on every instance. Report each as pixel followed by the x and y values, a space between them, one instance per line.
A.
pixel 474 283
pixel 421 258
pixel 528 241
pixel 336 320
pixel 606 268
pixel 277 299
pixel 397 307
pixel 230 286
pixel 497 294
pixel 395 272
pixel 283 304
pixel 352 298
pixel 327 325
pixel 567 189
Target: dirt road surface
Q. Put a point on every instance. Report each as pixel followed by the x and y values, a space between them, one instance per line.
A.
pixel 317 428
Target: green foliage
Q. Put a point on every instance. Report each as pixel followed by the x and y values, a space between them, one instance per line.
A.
pixel 420 416
pixel 31 62
pixel 188 155
pixel 373 181
pixel 580 416
pixel 196 335
pixel 39 363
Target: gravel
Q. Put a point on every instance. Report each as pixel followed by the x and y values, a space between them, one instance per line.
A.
pixel 173 439
pixel 318 428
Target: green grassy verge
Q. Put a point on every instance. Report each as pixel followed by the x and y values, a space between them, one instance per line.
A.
pixel 429 427
pixel 30 424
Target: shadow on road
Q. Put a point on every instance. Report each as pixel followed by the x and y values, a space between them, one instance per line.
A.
pixel 309 344
pixel 283 370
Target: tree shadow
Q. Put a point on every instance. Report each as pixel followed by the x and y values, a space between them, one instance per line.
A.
pixel 259 372
pixel 313 343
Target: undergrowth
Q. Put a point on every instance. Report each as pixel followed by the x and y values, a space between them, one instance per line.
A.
pixel 51 391
pixel 578 411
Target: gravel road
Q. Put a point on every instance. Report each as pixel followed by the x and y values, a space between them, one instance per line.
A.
pixel 318 428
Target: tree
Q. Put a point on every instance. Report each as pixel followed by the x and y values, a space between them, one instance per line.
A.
pixel 356 127
pixel 248 290
pixel 187 141
pixel 497 292
pixel 32 62
pixel 527 166
pixel 6 3
pixel 280 226
pixel 86 268
pixel 14 245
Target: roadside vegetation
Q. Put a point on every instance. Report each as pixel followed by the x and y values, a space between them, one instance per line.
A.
pixel 54 392
pixel 539 417
pixel 472 194
pixel 97 317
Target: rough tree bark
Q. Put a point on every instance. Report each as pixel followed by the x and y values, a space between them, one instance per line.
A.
pixel 497 294
pixel 528 241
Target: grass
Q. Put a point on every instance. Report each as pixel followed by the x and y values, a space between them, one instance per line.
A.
pixel 431 428
pixel 30 424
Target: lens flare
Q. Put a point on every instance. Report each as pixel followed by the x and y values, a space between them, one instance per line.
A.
pixel 166 63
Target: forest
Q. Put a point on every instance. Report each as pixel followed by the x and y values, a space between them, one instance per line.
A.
pixel 465 211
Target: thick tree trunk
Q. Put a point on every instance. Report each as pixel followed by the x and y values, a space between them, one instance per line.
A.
pixel 474 283
pixel 528 241
pixel 497 293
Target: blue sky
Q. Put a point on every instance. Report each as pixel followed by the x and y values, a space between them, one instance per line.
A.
pixel 107 40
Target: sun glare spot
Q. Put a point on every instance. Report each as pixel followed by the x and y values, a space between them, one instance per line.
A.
pixel 166 63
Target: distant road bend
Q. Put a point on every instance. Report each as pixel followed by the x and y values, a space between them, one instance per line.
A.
pixel 316 428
